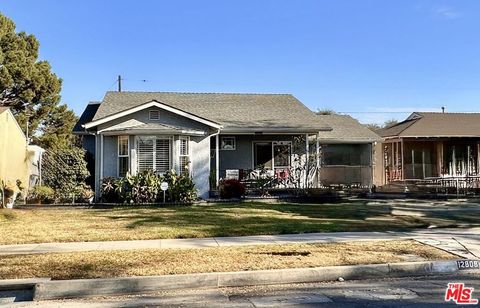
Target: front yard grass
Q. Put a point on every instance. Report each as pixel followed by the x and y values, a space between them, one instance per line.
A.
pixel 206 220
pixel 102 264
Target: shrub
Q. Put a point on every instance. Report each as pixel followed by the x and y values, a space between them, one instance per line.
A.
pixel 64 170
pixel 180 187
pixel 41 194
pixel 85 194
pixel 144 187
pixel 111 190
pixel 231 189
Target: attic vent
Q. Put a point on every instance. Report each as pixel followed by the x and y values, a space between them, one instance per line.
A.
pixel 154 115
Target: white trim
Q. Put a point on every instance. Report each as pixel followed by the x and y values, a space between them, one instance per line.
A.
pixel 148 105
pixel 217 159
pixel 150 132
pixel 188 155
pixel 123 155
pixel 101 158
pixel 307 157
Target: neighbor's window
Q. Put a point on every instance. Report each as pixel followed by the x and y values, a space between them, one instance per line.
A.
pixel 154 153
pixel 184 154
pixel 154 115
pixel 346 155
pixel 123 157
pixel 227 143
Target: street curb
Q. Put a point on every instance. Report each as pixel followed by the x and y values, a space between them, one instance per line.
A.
pixel 47 290
pixel 20 284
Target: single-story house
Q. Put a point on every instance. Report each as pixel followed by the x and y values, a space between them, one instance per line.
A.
pixel 346 152
pixel 208 135
pixel 429 145
pixel 18 160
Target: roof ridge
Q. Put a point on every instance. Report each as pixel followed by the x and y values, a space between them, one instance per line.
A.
pixel 439 112
pixel 175 92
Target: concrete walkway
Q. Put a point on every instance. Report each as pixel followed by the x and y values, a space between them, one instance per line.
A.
pixel 462 242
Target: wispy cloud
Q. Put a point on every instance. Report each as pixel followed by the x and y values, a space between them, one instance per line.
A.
pixel 446 12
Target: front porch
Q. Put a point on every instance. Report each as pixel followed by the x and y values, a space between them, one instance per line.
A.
pixel 440 163
pixel 276 162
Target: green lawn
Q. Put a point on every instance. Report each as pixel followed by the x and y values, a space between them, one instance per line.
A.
pixel 129 223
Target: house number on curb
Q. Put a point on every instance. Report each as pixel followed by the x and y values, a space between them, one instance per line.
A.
pixel 164 187
pixel 468 264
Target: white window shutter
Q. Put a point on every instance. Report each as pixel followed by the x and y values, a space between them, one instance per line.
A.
pixel 162 155
pixel 145 148
pixel 133 161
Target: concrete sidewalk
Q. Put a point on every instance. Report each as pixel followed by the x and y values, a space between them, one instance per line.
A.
pixel 199 242
pixel 462 242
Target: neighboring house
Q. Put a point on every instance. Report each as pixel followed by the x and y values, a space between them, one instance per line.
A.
pixel 430 145
pixel 208 135
pixel 346 152
pixel 16 157
pixel 88 140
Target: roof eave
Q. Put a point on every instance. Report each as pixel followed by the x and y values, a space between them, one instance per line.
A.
pixel 271 130
pixel 149 104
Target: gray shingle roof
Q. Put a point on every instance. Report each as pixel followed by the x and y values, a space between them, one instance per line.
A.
pixel 135 125
pixel 86 117
pixel 232 110
pixel 345 129
pixel 436 124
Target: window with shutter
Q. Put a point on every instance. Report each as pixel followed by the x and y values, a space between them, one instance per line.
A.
pixel 184 155
pixel 154 153
pixel 123 157
pixel 145 154
pixel 162 155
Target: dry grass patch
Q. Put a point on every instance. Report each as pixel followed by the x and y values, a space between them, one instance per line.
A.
pixel 96 264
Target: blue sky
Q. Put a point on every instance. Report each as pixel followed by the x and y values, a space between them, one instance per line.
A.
pixel 346 55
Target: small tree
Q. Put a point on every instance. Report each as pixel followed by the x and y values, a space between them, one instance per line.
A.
pixel 373 127
pixel 389 123
pixel 325 111
pixel 303 172
pixel 65 170
pixel 27 84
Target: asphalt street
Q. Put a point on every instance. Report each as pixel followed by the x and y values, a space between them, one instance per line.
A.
pixel 402 292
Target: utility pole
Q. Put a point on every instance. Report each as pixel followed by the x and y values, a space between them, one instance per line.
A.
pixel 119 83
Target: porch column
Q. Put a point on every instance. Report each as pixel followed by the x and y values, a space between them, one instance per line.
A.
pixel 101 157
pixel 478 158
pixel 307 160
pixel 217 159
pixel 439 158
pixel 317 151
pixel 402 160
